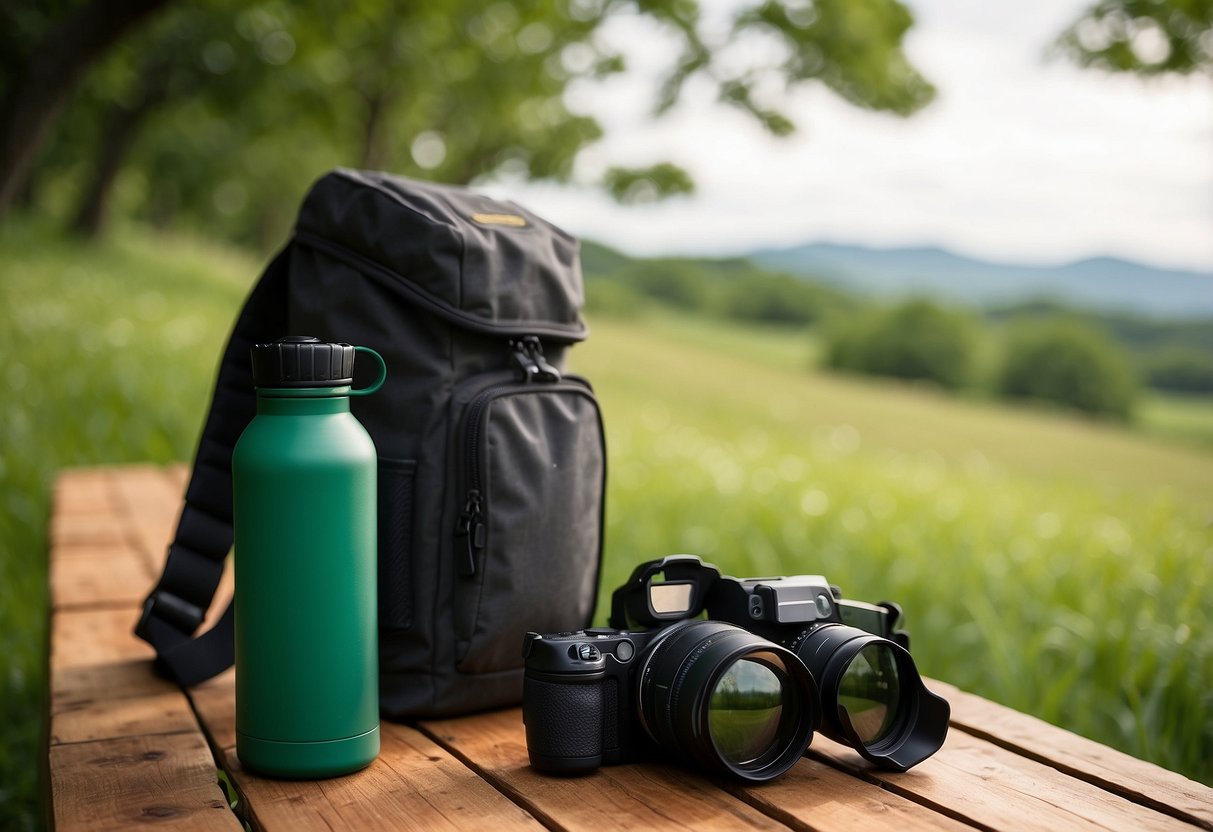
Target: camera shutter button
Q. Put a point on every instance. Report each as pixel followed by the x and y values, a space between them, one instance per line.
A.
pixel 624 651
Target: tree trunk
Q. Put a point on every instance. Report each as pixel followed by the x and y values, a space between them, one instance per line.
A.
pixel 47 78
pixel 122 128
pixel 372 139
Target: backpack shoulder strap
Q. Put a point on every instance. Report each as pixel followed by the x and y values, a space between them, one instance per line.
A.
pixel 174 609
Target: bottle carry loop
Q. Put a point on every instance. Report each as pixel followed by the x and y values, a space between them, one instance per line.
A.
pixel 378 382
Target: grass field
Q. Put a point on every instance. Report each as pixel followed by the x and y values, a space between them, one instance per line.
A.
pixel 108 354
pixel 1054 564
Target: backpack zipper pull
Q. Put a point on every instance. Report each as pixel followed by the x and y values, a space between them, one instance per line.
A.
pixel 528 355
pixel 471 526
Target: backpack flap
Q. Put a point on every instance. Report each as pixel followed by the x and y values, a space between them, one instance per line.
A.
pixel 485 265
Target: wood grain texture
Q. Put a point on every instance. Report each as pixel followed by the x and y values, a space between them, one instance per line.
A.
pixel 149 501
pixel 98 575
pixel 168 781
pixel 115 700
pixel 413 784
pixel 80 491
pixel 127 748
pixel 1120 773
pixel 653 796
pixel 813 795
pixel 96 636
pixel 215 704
pixel 988 786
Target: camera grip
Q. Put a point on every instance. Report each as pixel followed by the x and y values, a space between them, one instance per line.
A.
pixel 563 724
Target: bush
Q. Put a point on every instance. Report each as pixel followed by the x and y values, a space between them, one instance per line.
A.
pixel 915 340
pixel 781 299
pixel 1182 369
pixel 677 283
pixel 1068 363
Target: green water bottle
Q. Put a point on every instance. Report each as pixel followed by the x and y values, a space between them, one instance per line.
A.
pixel 304 487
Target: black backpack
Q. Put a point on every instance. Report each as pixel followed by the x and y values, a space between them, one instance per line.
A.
pixel 492 464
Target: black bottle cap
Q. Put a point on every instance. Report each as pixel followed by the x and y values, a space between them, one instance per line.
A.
pixel 302 361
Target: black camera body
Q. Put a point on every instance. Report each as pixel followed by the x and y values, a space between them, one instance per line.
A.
pixel 577 701
pixel 790 608
pixel 740 692
pixel 710 692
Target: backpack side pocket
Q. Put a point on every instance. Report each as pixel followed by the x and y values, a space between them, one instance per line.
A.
pixel 396 505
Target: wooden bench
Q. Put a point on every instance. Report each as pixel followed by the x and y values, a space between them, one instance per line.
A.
pixel 127 748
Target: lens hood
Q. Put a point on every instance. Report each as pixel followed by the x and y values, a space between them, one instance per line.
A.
pixel 916 722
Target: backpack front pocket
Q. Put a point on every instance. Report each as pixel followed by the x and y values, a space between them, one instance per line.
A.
pixel 528 539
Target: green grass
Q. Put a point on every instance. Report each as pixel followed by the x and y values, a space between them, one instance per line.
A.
pixel 1057 565
pixel 1186 418
pixel 108 353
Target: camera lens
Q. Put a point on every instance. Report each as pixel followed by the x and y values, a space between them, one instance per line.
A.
pixel 727 700
pixel 871 692
pixel 873 697
pixel 745 709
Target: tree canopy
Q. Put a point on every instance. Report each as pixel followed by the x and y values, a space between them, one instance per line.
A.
pixel 220 111
pixel 1146 37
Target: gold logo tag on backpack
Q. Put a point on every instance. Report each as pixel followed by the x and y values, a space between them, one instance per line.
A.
pixel 512 220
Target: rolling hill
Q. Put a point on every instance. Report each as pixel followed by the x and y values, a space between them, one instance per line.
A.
pixel 1103 283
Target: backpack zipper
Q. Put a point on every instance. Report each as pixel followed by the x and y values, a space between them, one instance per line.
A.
pixel 527 352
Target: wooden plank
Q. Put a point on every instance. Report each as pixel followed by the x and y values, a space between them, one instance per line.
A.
pixel 95 637
pixel 110 701
pixel 91 575
pixel 649 796
pixel 133 677
pixel 178 476
pixel 125 747
pixel 413 784
pixel 148 501
pixel 215 703
pixel 1120 773
pixel 80 491
pixel 816 796
pixel 89 529
pixel 988 786
pixel 168 780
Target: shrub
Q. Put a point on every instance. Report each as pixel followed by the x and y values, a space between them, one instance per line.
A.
pixel 677 283
pixel 781 299
pixel 1069 363
pixel 915 339
pixel 1182 369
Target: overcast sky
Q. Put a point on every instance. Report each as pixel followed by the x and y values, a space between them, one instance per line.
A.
pixel 1018 159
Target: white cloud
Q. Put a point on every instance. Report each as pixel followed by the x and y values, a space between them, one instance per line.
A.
pixel 1018 159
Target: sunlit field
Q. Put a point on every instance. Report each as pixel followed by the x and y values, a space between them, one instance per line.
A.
pixel 1056 565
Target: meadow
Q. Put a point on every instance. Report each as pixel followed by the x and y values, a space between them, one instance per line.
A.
pixel 1058 565
pixel 1054 564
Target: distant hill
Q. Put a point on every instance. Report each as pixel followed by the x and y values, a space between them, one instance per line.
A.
pixel 1103 283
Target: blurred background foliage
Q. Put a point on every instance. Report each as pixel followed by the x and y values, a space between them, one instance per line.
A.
pixel 217 115
pixel 151 152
